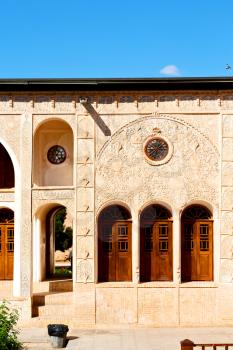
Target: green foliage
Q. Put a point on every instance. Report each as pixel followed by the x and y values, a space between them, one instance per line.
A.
pixel 65 272
pixel 63 235
pixel 8 333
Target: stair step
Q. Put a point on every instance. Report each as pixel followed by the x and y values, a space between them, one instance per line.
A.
pixel 56 310
pixel 65 285
pixel 53 298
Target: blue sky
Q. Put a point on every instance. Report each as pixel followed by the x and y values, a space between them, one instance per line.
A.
pixel 130 38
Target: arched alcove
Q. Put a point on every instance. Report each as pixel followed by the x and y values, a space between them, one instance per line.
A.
pixel 6 244
pixel 196 244
pixel 7 177
pixel 46 227
pixel 53 154
pixel 114 244
pixel 156 244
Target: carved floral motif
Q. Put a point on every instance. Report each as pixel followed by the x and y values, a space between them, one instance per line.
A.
pixel 122 173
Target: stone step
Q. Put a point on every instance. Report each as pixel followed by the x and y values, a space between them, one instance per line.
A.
pixel 56 310
pixel 65 285
pixel 53 298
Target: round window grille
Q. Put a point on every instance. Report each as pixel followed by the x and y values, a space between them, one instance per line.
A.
pixel 156 149
pixel 56 154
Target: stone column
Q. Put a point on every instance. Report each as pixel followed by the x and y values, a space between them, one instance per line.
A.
pixel 85 232
pixel 176 247
pixel 135 248
pixel 23 240
pixel 226 267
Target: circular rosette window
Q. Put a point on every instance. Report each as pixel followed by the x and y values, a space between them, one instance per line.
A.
pixel 157 150
pixel 56 154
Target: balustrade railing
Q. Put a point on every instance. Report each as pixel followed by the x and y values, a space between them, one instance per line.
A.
pixel 189 345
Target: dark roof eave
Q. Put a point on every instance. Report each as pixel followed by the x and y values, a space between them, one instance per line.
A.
pixel 117 84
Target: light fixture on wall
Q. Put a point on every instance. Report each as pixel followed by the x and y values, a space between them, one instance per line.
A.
pixel 83 100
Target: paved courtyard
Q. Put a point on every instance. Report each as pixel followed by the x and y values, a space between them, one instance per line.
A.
pixel 128 338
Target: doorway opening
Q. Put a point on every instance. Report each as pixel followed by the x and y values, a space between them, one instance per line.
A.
pixel 59 244
pixel 6 244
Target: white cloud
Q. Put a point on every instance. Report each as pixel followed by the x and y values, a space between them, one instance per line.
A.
pixel 170 70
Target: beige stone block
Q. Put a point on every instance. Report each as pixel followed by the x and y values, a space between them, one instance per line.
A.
pixel 85 247
pixel 158 306
pixel 85 175
pixel 227 198
pixel 225 305
pixel 228 126
pixel 227 222
pixel 84 300
pixel 227 149
pixel 198 306
pixel 85 199
pixel 116 305
pixel 226 247
pixel 85 127
pixel 85 270
pixel 227 173
pixel 226 270
pixel 85 223
pixel 85 151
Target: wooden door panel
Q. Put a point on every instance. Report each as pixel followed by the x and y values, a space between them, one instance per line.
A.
pixel 107 259
pixel 147 269
pixel 2 253
pixel 163 251
pixel 156 251
pixel 9 252
pixel 122 233
pixel 197 251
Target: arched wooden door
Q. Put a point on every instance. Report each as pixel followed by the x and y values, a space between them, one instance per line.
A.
pixel 114 245
pixel 155 244
pixel 197 244
pixel 6 244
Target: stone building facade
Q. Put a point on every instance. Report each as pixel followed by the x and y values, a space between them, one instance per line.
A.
pixel 144 167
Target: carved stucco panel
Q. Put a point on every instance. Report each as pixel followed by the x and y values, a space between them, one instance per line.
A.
pixel 228 126
pixel 85 126
pixel 85 247
pixel 227 246
pixel 227 174
pixel 68 203
pixel 227 198
pixel 123 174
pixel 11 132
pixel 227 149
pixel 85 199
pixel 85 223
pixel 227 222
pixel 85 151
pixel 85 175
pixel 85 270
pixel 226 270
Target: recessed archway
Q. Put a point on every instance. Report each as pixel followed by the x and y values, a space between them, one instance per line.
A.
pixel 114 244
pixel 53 241
pixel 6 244
pixel 156 244
pixel 7 177
pixel 196 244
pixel 53 154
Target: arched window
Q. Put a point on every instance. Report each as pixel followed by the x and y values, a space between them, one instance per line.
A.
pixel 6 244
pixel 197 244
pixel 7 178
pixel 114 244
pixel 155 244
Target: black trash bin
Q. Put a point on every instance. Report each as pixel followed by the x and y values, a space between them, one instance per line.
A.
pixel 57 333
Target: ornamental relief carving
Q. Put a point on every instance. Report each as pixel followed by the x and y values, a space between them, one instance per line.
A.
pixel 7 197
pixel 68 203
pixel 52 194
pixel 123 173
